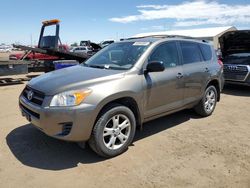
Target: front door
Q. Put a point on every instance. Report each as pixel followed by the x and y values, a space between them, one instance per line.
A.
pixel 164 90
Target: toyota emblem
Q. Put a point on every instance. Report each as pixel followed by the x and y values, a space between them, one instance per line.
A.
pixel 30 95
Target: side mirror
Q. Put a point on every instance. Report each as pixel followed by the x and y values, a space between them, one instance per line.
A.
pixel 155 66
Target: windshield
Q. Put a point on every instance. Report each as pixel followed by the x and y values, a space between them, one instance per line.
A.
pixel 237 58
pixel 48 42
pixel 120 56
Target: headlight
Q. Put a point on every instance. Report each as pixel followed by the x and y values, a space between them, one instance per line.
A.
pixel 70 98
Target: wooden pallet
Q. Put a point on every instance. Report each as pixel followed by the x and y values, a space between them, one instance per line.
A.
pixel 12 81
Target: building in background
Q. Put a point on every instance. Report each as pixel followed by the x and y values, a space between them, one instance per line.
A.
pixel 211 34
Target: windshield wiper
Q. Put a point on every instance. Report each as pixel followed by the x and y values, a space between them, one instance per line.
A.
pixel 95 66
pixel 117 68
pixel 106 66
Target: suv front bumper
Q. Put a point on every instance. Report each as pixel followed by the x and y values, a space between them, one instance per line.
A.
pixel 64 123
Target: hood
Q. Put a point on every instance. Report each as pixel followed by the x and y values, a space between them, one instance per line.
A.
pixel 235 42
pixel 95 46
pixel 76 77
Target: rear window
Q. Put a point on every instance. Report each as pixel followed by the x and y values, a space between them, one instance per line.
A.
pixel 206 52
pixel 190 52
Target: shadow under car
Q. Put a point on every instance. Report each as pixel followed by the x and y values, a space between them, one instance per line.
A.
pixel 35 149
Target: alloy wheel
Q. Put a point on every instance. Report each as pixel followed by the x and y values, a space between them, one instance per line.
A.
pixel 116 131
pixel 210 100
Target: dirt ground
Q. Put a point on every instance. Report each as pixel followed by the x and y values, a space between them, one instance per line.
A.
pixel 180 150
pixel 5 56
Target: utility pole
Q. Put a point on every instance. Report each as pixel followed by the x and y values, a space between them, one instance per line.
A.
pixel 116 36
pixel 31 41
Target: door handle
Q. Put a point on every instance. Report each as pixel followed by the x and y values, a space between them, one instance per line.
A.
pixel 179 75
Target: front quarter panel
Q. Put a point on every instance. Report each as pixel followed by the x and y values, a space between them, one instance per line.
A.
pixel 104 93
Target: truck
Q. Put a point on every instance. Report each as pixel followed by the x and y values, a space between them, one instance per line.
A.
pixel 48 50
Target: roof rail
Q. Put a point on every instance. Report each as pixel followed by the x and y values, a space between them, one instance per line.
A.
pixel 166 36
pixel 161 36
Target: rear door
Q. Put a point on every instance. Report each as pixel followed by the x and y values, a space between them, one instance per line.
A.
pixel 210 60
pixel 164 91
pixel 194 69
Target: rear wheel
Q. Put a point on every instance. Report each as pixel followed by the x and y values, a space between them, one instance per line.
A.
pixel 114 131
pixel 207 104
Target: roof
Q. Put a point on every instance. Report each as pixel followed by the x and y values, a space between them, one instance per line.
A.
pixel 152 39
pixel 196 33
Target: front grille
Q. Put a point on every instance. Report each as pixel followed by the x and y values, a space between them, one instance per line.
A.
pixel 30 112
pixel 37 97
pixel 235 72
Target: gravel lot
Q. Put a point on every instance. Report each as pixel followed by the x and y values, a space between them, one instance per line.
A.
pixel 5 56
pixel 180 150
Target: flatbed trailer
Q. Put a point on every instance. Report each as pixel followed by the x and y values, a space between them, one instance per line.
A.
pixel 53 52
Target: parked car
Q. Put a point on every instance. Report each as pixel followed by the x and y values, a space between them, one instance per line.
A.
pixel 91 45
pixel 105 43
pixel 81 49
pixel 5 49
pixel 85 43
pixel 123 86
pixel 235 54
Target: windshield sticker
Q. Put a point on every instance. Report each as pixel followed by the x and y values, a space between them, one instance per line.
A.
pixel 141 43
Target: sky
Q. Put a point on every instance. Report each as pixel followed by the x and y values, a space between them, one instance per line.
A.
pixel 114 19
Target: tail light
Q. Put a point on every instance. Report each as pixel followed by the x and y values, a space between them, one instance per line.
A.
pixel 220 62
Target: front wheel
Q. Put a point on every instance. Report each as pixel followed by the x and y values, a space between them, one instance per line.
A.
pixel 114 131
pixel 207 104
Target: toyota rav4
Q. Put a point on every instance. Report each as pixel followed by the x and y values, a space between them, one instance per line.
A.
pixel 123 86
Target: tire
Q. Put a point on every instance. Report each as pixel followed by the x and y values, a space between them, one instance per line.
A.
pixel 208 102
pixel 113 132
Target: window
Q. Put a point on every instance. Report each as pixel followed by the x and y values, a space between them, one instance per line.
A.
pixel 167 53
pixel 206 52
pixel 190 52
